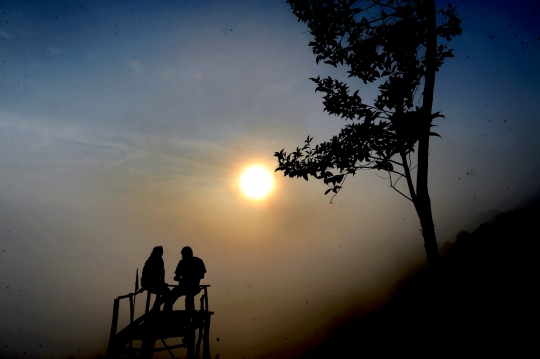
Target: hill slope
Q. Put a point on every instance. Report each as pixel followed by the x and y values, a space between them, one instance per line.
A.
pixel 483 303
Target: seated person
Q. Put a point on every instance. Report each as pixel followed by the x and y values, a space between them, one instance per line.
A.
pixel 153 277
pixel 189 272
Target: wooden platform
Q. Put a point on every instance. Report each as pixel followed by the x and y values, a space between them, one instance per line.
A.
pixel 192 327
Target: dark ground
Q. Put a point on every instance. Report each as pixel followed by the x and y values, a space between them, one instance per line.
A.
pixel 484 302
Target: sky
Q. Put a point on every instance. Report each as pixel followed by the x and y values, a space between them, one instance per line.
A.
pixel 126 125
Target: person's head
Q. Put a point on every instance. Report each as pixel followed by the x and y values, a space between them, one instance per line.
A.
pixel 157 251
pixel 187 252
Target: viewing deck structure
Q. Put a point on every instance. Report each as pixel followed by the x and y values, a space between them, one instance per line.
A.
pixel 193 327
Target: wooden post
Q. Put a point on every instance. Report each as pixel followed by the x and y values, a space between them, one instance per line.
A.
pixel 131 309
pixel 205 299
pixel 201 332
pixel 206 338
pixel 112 342
pixel 147 348
pixel 131 312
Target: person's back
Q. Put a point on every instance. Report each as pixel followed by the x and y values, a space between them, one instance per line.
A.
pixel 190 269
pixel 154 270
pixel 153 277
pixel 189 272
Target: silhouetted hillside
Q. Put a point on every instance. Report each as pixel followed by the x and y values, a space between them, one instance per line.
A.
pixel 490 282
pixel 483 303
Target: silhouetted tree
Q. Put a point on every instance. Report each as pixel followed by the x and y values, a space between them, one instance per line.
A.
pixel 394 44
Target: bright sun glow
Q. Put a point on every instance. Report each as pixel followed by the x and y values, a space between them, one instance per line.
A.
pixel 256 182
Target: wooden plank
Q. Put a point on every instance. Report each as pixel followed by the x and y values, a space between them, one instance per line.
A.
pixel 168 349
pixel 135 350
pixel 126 296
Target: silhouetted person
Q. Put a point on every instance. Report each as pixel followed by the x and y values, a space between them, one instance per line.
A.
pixel 189 272
pixel 153 277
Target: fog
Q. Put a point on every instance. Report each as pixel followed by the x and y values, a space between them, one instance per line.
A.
pixel 124 127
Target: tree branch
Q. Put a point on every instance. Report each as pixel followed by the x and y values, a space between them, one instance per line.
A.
pixel 397 190
pixel 408 177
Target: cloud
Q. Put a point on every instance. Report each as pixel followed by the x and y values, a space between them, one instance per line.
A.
pixel 5 35
pixel 197 75
pixel 135 66
pixel 53 50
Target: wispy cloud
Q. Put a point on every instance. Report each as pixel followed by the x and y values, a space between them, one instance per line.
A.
pixel 53 50
pixel 5 35
pixel 135 66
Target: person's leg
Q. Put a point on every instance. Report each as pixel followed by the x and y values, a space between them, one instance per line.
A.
pixel 190 302
pixel 191 292
pixel 176 293
pixel 162 294
pixel 152 289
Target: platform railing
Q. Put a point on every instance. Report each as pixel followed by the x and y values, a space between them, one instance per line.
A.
pixel 131 296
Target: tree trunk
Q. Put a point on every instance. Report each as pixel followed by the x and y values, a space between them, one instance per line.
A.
pixel 423 209
pixel 423 203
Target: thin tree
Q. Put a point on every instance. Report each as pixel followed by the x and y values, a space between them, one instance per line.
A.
pixel 393 44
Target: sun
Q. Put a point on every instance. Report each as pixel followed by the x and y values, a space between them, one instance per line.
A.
pixel 256 182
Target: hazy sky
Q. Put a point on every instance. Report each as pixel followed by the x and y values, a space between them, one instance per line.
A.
pixel 126 125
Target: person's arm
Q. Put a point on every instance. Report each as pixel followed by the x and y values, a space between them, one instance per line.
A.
pixel 162 271
pixel 178 272
pixel 202 268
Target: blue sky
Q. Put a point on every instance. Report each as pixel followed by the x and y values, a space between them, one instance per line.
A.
pixel 126 125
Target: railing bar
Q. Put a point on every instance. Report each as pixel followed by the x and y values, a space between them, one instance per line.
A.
pixel 174 347
pixel 204 286
pixel 168 349
pixel 205 299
